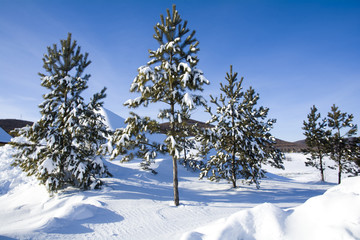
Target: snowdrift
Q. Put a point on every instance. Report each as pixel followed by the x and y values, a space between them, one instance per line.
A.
pixel 333 215
pixel 10 177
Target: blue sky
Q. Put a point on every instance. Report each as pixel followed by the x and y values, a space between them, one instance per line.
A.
pixel 294 53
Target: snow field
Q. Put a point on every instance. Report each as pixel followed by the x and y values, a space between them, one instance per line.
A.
pixel 135 204
pixel 295 169
pixel 138 205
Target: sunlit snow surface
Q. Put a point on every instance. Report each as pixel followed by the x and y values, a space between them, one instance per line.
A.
pixel 135 204
pixel 112 120
pixel 333 215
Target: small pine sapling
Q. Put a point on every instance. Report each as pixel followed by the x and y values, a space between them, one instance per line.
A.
pixel 343 149
pixel 317 140
pixel 240 137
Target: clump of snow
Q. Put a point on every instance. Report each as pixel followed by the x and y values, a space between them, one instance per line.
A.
pixel 333 215
pixel 188 101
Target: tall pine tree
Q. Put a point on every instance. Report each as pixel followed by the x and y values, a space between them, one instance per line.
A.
pixel 171 78
pixel 241 136
pixel 61 149
pixel 317 140
pixel 342 148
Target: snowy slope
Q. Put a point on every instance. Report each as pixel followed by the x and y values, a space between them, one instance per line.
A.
pixel 112 120
pixel 135 204
pixel 4 136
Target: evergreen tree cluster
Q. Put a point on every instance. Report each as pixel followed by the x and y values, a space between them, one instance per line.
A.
pixel 66 147
pixel 172 78
pixel 332 136
pixel 240 137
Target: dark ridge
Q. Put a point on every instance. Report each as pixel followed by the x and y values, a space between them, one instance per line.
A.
pixel 164 127
pixel 10 124
pixel 285 146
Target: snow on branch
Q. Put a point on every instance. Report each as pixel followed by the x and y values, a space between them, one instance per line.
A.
pixel 188 100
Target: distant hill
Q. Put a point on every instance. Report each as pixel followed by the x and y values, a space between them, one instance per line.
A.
pixel 115 121
pixel 164 127
pixel 10 124
pixel 285 146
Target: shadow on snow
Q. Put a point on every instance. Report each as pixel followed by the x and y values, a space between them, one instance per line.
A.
pixel 130 183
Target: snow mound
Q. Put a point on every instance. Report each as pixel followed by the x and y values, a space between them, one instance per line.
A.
pixel 333 215
pixel 65 213
pixel 28 207
pixel 10 177
pixel 262 222
pixel 112 120
pixel 73 217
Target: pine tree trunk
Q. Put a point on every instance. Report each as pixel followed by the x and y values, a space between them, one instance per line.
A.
pixel 63 144
pixel 175 183
pixel 233 180
pixel 175 171
pixel 233 174
pixel 185 150
pixel 340 170
pixel 322 169
pixel 234 148
pixel 339 150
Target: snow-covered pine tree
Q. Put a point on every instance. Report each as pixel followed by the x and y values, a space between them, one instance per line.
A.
pixel 343 149
pixel 61 149
pixel 171 78
pixel 262 150
pixel 241 136
pixel 317 140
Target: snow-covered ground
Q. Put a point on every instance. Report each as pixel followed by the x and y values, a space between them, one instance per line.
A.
pixel 333 215
pixel 135 204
